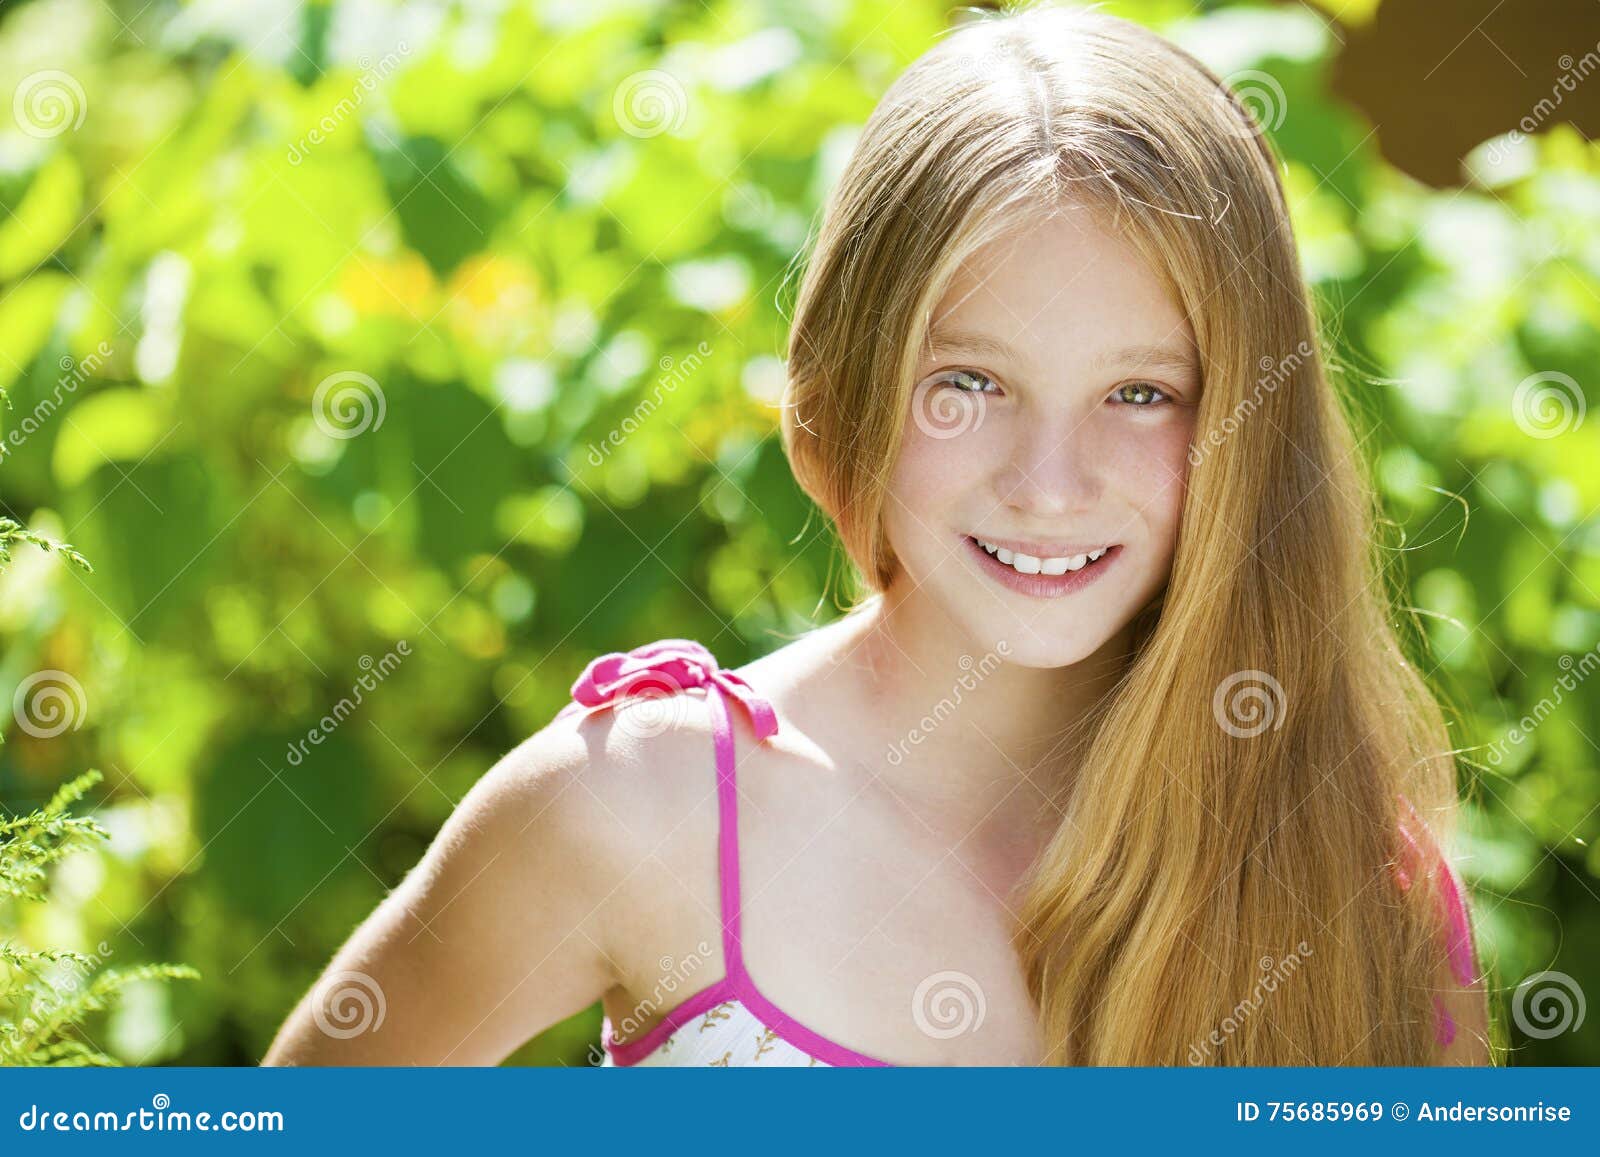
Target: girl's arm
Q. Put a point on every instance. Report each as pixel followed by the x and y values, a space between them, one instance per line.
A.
pixel 495 935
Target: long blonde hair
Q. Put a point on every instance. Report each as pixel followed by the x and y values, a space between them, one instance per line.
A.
pixel 1222 888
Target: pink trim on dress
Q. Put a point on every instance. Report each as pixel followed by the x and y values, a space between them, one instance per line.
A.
pixel 674 665
pixel 634 1051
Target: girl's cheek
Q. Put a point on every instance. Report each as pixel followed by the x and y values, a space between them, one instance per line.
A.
pixel 1151 468
pixel 914 484
pixel 940 461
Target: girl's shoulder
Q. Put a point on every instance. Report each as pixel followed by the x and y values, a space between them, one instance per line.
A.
pixel 635 751
pixel 634 743
pixel 646 730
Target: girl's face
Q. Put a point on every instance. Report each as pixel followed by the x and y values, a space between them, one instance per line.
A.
pixel 1051 418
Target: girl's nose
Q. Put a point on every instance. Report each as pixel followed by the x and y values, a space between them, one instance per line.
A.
pixel 1053 469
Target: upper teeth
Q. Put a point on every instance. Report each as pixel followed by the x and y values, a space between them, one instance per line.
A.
pixel 1028 564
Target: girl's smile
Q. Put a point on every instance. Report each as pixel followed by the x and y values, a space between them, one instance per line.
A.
pixel 1050 573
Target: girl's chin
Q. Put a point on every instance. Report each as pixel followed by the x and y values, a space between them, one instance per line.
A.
pixel 1043 652
pixel 1027 641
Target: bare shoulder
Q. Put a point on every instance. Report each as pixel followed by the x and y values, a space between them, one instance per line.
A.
pixel 529 904
pixel 624 772
pixel 573 812
pixel 815 683
pixel 636 778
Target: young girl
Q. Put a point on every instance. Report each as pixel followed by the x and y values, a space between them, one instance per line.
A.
pixel 1120 763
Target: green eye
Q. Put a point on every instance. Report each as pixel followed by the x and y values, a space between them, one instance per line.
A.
pixel 1140 394
pixel 985 384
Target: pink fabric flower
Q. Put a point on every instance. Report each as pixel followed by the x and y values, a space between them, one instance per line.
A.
pixel 668 667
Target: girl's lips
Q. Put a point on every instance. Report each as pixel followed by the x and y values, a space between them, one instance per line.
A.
pixel 1042 586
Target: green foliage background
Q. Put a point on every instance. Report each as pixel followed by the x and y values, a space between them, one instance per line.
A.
pixel 474 228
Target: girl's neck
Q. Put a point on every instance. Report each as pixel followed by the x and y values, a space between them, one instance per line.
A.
pixel 960 712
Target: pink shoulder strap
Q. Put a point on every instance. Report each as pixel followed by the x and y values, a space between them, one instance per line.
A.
pixel 1420 852
pixel 667 668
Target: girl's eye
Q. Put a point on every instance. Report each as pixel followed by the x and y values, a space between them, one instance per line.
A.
pixel 1140 394
pixel 960 379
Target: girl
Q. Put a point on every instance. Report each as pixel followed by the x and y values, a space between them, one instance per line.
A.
pixel 1119 763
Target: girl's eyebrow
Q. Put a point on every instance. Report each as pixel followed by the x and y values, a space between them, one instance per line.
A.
pixel 1180 359
pixel 944 339
pixel 1162 357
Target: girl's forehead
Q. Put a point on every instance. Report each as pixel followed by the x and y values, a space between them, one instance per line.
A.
pixel 1054 250
pixel 1065 279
